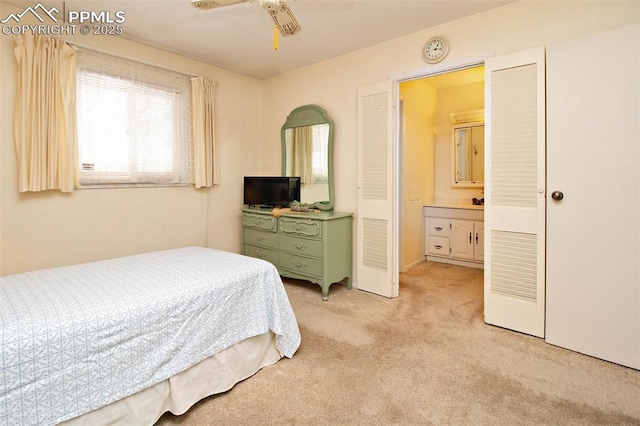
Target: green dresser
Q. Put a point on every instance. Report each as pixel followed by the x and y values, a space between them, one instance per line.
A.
pixel 315 246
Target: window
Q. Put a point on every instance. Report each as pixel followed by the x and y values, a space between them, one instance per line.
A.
pixel 320 153
pixel 134 123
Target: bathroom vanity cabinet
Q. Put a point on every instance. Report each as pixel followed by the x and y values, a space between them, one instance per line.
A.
pixel 455 234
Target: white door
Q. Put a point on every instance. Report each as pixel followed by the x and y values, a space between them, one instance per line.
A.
pixel 514 293
pixel 376 263
pixel 593 158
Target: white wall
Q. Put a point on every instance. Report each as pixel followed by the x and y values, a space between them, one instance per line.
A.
pixel 40 230
pixel 334 83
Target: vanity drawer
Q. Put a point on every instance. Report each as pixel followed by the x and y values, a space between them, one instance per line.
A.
pixel 261 238
pixel 438 246
pixel 263 222
pixel 301 227
pixel 438 227
pixel 304 246
pixel 261 253
pixel 300 265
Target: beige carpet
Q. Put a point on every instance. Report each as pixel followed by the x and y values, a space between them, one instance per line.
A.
pixel 424 358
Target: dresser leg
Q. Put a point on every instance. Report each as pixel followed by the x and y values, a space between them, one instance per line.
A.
pixel 325 293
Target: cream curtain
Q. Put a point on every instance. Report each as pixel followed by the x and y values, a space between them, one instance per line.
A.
pixel 302 143
pixel 204 140
pixel 45 120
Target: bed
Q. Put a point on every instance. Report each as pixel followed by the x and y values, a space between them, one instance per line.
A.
pixel 124 340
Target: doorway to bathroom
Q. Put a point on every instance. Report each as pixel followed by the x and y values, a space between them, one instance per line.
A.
pixel 428 108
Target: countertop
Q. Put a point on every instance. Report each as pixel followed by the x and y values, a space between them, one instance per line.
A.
pixel 456 206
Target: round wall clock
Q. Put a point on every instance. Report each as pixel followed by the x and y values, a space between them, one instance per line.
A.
pixel 435 50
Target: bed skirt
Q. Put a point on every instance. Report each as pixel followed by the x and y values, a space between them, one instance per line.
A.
pixel 177 394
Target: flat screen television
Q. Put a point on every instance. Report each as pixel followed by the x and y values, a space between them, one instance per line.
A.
pixel 271 191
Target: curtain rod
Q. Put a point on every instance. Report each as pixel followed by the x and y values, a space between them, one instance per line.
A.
pixel 85 47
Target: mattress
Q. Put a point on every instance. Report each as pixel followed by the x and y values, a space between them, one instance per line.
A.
pixel 80 337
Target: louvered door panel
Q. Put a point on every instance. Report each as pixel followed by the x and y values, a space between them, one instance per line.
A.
pixel 374 244
pixel 514 262
pixel 514 137
pixel 375 259
pixel 374 149
pixel 514 192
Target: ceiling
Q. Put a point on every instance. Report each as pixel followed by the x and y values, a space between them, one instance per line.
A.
pixel 239 37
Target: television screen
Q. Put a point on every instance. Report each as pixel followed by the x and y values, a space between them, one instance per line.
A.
pixel 271 191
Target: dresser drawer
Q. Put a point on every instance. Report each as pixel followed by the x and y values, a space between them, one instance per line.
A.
pixel 261 238
pixel 301 227
pixel 261 222
pixel 300 265
pixel 438 246
pixel 438 227
pixel 270 255
pixel 302 246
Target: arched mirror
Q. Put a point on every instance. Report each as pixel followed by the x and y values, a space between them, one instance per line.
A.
pixel 307 151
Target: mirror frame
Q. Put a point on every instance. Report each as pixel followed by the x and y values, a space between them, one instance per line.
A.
pixel 454 167
pixel 308 115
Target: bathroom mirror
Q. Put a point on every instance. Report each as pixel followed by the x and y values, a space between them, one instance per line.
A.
pixel 307 151
pixel 468 155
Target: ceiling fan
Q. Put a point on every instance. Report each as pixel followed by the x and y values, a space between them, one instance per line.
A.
pixel 277 9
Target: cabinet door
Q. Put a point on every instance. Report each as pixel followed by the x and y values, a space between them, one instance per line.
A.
pixel 478 250
pixel 462 239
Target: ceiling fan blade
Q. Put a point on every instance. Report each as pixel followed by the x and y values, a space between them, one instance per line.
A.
pixel 211 4
pixel 282 16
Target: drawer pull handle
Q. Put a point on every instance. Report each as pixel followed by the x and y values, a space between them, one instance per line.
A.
pixel 469 237
pixel 476 238
pixel 438 246
pixel 260 254
pixel 260 238
pixel 299 246
pixel 438 228
pixel 299 263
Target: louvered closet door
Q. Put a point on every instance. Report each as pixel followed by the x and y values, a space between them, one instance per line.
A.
pixel 514 192
pixel 376 267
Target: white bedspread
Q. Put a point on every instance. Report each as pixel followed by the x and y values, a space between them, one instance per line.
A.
pixel 76 338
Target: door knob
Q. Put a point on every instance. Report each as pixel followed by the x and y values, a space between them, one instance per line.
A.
pixel 557 195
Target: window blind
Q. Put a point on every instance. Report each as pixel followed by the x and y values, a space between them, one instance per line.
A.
pixel 133 123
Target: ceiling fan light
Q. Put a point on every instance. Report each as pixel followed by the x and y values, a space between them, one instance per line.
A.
pixel 210 4
pixel 284 19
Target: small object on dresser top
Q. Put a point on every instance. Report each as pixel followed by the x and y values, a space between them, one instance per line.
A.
pixel 297 206
pixel 279 212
